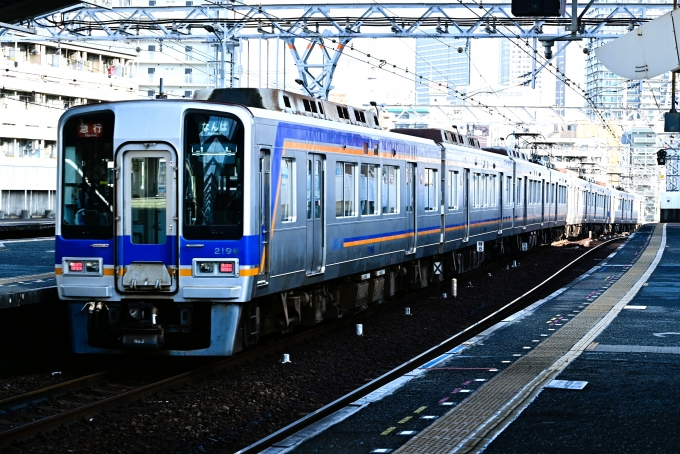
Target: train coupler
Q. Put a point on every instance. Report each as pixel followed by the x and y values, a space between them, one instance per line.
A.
pixel 143 338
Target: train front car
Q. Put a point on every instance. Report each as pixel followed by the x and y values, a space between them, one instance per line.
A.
pixel 155 248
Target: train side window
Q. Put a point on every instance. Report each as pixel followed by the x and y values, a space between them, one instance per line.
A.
pixel 345 189
pixel 485 190
pixel 368 189
pixel 519 191
pixel 492 192
pixel 287 204
pixel 453 190
pixel 390 190
pixel 475 189
pixel 431 193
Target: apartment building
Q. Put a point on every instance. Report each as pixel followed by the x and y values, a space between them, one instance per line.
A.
pixel 38 83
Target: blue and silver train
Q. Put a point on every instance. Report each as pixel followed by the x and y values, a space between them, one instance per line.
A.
pixel 196 227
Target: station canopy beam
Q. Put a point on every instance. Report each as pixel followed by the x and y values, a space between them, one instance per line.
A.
pixel 324 30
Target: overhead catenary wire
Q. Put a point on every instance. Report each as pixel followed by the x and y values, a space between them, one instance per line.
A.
pixel 568 82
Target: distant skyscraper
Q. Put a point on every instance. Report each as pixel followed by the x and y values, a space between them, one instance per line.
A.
pixel 612 94
pixel 560 63
pixel 516 64
pixel 438 61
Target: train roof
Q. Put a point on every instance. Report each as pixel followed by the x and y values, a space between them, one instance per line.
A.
pixel 278 100
pixel 440 136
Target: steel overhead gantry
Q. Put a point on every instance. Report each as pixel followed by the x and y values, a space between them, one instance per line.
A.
pixel 325 30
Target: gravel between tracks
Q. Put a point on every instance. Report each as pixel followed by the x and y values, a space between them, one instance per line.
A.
pixel 231 409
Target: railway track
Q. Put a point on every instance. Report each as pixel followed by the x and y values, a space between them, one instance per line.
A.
pixel 38 411
pixel 548 285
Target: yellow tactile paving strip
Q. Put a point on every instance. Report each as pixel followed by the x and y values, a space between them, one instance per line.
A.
pixel 470 425
pixel 32 277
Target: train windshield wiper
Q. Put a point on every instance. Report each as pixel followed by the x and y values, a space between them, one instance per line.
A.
pixel 207 222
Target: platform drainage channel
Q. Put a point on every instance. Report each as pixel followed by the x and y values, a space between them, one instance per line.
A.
pixel 469 424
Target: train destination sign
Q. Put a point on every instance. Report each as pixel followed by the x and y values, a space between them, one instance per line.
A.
pixel 90 130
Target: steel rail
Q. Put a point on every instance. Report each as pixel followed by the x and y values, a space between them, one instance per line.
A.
pixel 469 332
pixel 51 391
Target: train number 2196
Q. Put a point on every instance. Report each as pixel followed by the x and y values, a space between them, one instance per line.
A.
pixel 226 251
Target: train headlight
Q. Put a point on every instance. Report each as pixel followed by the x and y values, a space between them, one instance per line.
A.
pixel 206 267
pixel 92 267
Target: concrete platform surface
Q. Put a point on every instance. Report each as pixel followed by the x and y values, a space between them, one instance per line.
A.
pixel 26 272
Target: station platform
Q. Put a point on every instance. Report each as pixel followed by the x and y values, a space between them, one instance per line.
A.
pixel 26 272
pixel 594 367
pixel 25 225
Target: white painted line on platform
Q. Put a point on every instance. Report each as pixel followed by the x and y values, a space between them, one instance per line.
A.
pixel 566 384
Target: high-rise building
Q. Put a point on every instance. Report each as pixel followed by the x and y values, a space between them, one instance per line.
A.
pixel 445 61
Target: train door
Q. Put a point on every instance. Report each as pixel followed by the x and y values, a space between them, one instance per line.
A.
pixel 466 201
pixel 544 195
pixel 315 213
pixel 555 199
pixel 265 216
pixel 146 227
pixel 411 234
pixel 501 185
pixel 525 200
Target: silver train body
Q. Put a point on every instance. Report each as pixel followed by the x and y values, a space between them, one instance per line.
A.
pixel 196 227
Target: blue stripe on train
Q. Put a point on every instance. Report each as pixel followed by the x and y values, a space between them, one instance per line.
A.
pixel 246 250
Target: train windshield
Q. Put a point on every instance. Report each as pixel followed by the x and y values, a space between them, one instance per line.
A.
pixel 213 176
pixel 87 178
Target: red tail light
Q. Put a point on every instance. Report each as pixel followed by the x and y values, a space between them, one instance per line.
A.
pixel 75 266
pixel 227 267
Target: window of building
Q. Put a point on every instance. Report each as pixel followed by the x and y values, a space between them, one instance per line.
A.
pixel 188 94
pixel 151 70
pixel 287 205
pixel 430 182
pixel 151 93
pixel 453 190
pixel 390 189
pixel 368 189
pixel 152 48
pixel 345 189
